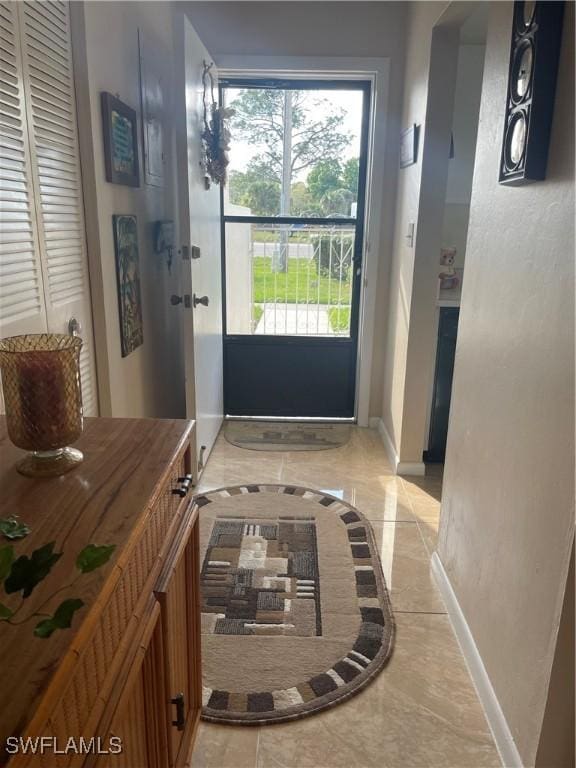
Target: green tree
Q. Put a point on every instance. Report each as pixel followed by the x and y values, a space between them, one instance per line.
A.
pixel 256 188
pixel 332 187
pixel 317 130
pixel 350 174
pixel 301 201
pixel 237 184
pixel 337 202
pixel 263 197
pixel 325 177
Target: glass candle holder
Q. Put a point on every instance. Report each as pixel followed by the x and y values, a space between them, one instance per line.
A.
pixel 43 400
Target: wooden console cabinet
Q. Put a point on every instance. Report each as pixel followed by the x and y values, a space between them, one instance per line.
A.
pixel 127 671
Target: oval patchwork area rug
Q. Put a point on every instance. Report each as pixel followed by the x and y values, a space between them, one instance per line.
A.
pixel 296 616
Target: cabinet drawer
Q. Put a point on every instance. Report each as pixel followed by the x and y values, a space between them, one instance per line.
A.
pixel 100 669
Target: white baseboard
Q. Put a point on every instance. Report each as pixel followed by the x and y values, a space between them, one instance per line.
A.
pixel 411 468
pixel 500 731
pixel 399 467
pixel 388 444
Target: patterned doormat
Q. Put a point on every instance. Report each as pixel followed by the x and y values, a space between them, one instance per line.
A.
pixel 285 436
pixel 295 612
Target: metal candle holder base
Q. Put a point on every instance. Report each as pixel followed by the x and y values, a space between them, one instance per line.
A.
pixel 49 463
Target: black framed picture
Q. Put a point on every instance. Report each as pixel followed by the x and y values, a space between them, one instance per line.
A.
pixel 119 123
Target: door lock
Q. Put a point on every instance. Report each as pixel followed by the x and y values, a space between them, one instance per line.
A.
pixel 175 300
pixel 190 252
pixel 200 300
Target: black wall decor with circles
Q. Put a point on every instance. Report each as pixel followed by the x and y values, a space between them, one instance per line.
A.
pixel 534 54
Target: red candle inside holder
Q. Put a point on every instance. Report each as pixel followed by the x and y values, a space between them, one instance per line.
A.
pixel 42 393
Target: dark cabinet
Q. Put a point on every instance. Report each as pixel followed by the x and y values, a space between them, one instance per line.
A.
pixel 445 352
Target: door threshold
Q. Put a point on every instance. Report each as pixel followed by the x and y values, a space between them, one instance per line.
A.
pixel 311 419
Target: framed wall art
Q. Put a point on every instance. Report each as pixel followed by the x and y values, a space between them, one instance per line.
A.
pixel 120 129
pixel 533 66
pixel 128 277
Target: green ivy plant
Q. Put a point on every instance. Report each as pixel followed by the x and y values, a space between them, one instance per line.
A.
pixel 10 528
pixel 21 575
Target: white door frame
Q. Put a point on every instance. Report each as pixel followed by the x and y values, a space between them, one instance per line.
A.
pixel 375 70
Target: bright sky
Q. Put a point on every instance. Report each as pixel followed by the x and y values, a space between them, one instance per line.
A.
pixel 350 101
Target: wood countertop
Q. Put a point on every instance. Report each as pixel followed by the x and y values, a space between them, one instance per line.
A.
pixel 104 501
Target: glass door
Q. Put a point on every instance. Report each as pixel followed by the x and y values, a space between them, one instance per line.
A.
pixel 292 234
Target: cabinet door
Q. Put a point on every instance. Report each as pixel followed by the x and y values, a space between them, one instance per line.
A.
pixel 177 592
pixel 140 719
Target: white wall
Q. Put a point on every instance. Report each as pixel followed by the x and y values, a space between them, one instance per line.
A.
pixel 507 518
pixel 455 231
pixel 408 327
pixel 238 272
pixel 461 166
pixel 465 123
pixel 150 381
pixel 459 183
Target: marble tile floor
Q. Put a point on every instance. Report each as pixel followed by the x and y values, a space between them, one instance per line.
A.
pixel 422 710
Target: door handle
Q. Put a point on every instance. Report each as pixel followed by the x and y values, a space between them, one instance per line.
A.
pixel 74 327
pixel 200 300
pixel 201 457
pixel 178 700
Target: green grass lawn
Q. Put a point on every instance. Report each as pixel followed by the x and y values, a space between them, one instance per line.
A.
pixel 340 322
pixel 257 312
pixel 300 285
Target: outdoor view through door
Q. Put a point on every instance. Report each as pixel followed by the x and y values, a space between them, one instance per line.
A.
pixel 292 219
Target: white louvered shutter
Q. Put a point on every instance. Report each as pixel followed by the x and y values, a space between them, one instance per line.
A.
pixel 52 124
pixel 22 308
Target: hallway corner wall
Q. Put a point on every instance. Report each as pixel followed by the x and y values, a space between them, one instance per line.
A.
pixel 395 326
pixel 507 521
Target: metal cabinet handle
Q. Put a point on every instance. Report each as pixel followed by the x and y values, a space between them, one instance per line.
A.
pixel 185 483
pixel 178 700
pixel 200 300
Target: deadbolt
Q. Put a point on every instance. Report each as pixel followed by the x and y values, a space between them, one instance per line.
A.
pixel 175 300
